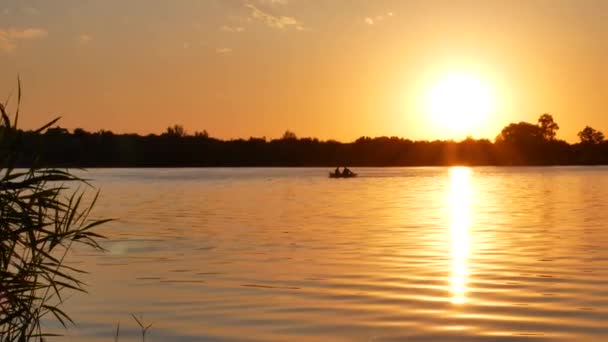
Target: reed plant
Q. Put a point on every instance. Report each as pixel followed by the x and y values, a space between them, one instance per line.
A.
pixel 43 215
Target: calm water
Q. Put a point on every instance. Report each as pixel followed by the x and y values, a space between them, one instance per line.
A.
pixel 416 254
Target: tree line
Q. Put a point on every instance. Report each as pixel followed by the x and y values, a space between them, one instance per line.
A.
pixel 520 143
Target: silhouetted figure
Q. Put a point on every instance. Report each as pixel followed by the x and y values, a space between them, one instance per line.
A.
pixel 337 171
pixel 346 172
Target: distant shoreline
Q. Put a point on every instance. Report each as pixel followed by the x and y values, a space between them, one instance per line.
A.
pixel 518 144
pixel 330 168
pixel 132 151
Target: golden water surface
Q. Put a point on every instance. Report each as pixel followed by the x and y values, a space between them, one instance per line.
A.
pixel 397 254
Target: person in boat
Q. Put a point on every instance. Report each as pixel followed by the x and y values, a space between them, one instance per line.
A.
pixel 337 171
pixel 346 172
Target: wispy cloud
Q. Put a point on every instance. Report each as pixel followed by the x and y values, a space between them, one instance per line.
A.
pixel 84 38
pixel 273 2
pixel 235 29
pixel 31 10
pixel 223 50
pixel 378 18
pixel 11 36
pixel 28 33
pixel 273 21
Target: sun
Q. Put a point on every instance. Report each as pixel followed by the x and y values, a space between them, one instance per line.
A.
pixel 460 104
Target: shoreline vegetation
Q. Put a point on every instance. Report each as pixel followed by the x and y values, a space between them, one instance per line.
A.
pixel 518 144
pixel 43 215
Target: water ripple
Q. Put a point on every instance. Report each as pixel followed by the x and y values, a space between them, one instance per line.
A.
pixel 400 254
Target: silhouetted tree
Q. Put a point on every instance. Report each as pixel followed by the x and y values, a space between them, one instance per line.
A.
pixel 80 132
pixel 548 126
pixel 103 132
pixel 522 133
pixel 590 135
pixel 57 131
pixel 289 135
pixel 526 144
pixel 176 131
pixel 202 134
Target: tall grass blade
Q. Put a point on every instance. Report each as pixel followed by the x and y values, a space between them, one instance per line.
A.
pixel 41 219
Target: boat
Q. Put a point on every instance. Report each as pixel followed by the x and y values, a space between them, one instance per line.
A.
pixel 339 175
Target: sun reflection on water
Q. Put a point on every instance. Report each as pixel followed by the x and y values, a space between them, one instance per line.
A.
pixel 460 221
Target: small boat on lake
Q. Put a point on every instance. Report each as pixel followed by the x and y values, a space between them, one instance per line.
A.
pixel 333 175
pixel 344 174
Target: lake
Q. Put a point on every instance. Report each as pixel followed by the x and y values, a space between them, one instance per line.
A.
pixel 396 254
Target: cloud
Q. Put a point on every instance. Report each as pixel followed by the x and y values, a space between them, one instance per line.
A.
pixel 270 20
pixel 273 2
pixel 9 37
pixel 235 29
pixel 223 50
pixel 378 18
pixel 84 38
pixel 31 10
pixel 28 33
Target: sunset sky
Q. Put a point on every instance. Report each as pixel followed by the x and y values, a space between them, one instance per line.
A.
pixel 335 69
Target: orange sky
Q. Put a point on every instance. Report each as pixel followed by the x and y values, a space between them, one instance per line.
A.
pixel 330 69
